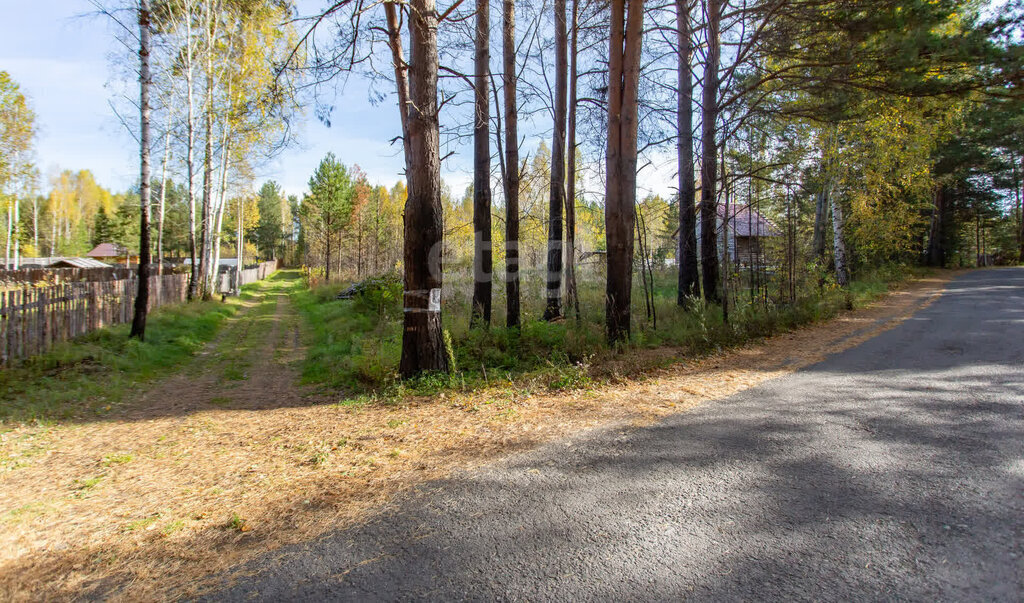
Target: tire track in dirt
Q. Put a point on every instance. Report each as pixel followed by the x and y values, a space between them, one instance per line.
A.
pixel 268 377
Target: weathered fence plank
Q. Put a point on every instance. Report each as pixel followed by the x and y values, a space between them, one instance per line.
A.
pixel 33 319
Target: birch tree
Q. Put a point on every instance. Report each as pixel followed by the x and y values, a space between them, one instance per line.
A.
pixel 145 83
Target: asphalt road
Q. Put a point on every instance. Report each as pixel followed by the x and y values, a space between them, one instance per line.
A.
pixel 894 470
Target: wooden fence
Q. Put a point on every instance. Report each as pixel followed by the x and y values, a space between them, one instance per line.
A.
pixel 249 275
pixel 55 276
pixel 33 319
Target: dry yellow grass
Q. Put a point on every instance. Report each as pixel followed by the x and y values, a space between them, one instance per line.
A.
pixel 208 473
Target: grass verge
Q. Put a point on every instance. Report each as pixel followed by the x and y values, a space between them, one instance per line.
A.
pixel 92 374
pixel 355 345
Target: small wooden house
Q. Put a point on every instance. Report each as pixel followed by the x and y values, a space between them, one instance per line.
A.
pixel 113 253
pixel 743 234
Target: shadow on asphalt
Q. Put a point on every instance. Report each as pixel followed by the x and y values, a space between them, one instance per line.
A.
pixel 892 470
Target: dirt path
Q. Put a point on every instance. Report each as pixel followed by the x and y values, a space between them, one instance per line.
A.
pixel 230 458
pixel 251 365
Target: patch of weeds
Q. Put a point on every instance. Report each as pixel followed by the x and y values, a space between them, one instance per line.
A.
pixel 141 524
pixel 395 453
pixel 30 510
pixel 238 523
pixel 172 527
pixel 320 458
pixel 570 377
pixel 220 401
pixel 83 486
pixel 508 414
pixel 394 423
pixel 234 373
pixel 118 458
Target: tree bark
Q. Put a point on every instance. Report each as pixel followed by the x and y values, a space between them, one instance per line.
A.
pixel 239 247
pixel 401 70
pixel 936 252
pixel 53 232
pixel 163 199
pixel 820 215
pixel 512 168
pixel 709 155
pixel 423 346
pixel 689 278
pixel 1020 212
pixel 327 251
pixel 10 226
pixel 482 252
pixel 572 298
pixel 726 266
pixel 190 160
pixel 35 222
pixel 556 199
pixel 219 221
pixel 17 234
pixel 205 234
pixel 620 187
pixel 839 243
pixel 145 81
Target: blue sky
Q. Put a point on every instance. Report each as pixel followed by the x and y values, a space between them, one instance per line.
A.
pixel 61 56
pixel 62 62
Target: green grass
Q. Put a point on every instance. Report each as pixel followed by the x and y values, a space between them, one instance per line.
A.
pixel 91 375
pixel 236 350
pixel 119 458
pixel 355 345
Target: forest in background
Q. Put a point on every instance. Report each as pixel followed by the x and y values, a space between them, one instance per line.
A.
pixel 871 135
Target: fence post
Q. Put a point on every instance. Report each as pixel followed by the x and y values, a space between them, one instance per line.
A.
pixel 4 319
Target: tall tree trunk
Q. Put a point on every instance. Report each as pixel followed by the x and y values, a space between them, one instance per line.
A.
pixel 10 227
pixel 839 242
pixel 726 259
pixel 512 168
pixel 221 204
pixel 1019 191
pixel 17 234
pixel 572 298
pixel 620 185
pixel 359 245
pixel 163 199
pixel 145 81
pixel 936 252
pixel 423 346
pixel 820 215
pixel 401 70
pixel 35 223
pixel 239 246
pixel 977 239
pixel 190 159
pixel 327 252
pixel 205 234
pixel 556 199
pixel 689 278
pixel 482 252
pixel 709 163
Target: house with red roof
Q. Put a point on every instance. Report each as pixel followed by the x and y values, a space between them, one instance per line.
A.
pixel 113 253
